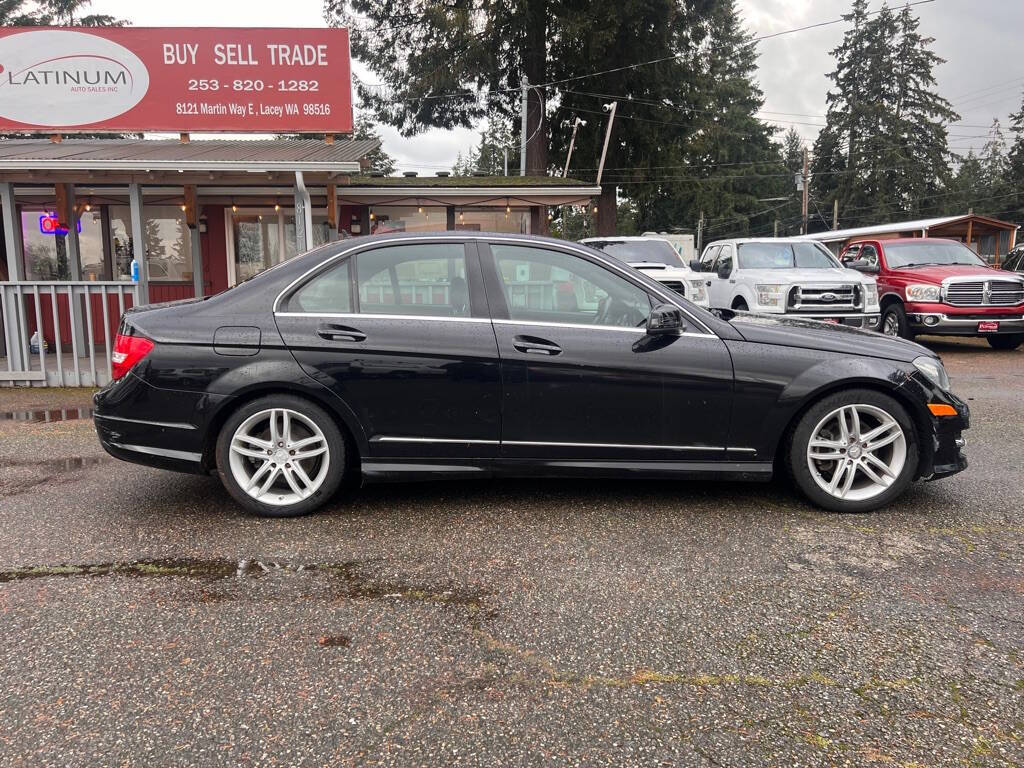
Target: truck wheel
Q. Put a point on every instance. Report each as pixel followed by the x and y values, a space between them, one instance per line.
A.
pixel 894 322
pixel 740 305
pixel 1007 341
pixel 853 451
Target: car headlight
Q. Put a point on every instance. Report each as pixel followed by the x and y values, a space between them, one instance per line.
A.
pixel 871 297
pixel 699 290
pixel 923 292
pixel 933 369
pixel 769 294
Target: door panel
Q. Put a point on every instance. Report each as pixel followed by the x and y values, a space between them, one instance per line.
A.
pixel 614 394
pixel 420 371
pixel 581 380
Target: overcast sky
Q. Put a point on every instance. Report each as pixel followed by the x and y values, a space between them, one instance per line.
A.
pixel 980 39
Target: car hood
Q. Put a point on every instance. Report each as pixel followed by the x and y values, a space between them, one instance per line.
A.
pixel 812 334
pixel 656 270
pixel 937 273
pixel 806 276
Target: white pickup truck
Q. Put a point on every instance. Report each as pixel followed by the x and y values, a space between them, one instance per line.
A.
pixel 786 276
pixel 656 258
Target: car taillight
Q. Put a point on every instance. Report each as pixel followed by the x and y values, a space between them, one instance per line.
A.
pixel 128 350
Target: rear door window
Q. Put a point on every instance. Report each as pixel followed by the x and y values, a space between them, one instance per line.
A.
pixel 427 279
pixel 329 292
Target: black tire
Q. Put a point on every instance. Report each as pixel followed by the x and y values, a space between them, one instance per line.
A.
pixel 337 455
pixel 740 305
pixel 895 317
pixel 1009 341
pixel 796 459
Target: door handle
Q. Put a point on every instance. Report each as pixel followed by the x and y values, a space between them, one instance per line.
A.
pixel 531 345
pixel 332 332
pixel 708 283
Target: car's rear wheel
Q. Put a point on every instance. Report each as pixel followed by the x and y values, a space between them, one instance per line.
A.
pixel 1006 341
pixel 854 451
pixel 281 456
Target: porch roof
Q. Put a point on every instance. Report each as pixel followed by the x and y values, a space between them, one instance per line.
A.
pixel 206 155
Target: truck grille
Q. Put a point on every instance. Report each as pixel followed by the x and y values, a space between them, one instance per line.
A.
pixel 984 293
pixel 675 285
pixel 819 298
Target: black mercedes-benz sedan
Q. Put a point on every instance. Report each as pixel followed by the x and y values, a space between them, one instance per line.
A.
pixel 469 355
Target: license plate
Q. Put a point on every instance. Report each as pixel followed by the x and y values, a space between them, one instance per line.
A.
pixel 988 326
pixel 833 320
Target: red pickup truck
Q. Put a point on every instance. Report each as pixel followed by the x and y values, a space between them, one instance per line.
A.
pixel 941 287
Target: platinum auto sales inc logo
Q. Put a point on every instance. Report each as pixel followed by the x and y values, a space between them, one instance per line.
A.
pixel 60 78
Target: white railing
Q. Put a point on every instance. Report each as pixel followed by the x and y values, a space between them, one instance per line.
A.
pixel 60 334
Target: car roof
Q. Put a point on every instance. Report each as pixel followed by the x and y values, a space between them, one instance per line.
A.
pixel 742 240
pixel 623 239
pixel 890 240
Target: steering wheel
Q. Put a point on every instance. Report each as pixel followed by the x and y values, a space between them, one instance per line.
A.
pixel 613 311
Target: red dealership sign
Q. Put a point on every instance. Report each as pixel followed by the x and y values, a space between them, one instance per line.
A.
pixel 130 79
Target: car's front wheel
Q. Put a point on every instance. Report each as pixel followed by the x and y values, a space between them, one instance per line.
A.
pixel 281 456
pixel 894 322
pixel 1007 341
pixel 854 451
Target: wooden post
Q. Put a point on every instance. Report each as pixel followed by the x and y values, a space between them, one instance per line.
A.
pixel 970 231
pixel 184 138
pixel 328 138
pixel 192 220
pixel 333 223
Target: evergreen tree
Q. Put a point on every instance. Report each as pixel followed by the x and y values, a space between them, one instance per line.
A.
pixel 733 162
pixel 425 51
pixel 1014 206
pixel 964 186
pixel 884 151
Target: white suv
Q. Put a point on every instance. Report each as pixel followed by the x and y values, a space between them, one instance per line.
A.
pixel 656 258
pixel 787 276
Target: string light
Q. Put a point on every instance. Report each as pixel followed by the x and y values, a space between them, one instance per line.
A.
pixel 88 207
pixel 184 207
pixel 234 208
pixel 462 217
pixel 277 206
pixel 372 216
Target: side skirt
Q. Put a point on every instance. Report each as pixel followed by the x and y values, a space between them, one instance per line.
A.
pixel 396 470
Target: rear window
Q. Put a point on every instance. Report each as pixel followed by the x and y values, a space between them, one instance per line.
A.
pixel 652 251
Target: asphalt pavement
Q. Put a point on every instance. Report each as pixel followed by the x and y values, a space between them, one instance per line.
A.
pixel 147 621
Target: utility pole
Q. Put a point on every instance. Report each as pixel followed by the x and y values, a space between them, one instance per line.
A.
pixel 700 233
pixel 522 139
pixel 835 214
pixel 610 108
pixel 572 143
pixel 776 228
pixel 806 184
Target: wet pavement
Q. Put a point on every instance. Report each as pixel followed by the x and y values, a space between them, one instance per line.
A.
pixel 147 621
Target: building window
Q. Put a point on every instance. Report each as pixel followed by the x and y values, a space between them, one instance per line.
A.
pixel 514 222
pixel 168 243
pixel 46 246
pixel 263 237
pixel 408 218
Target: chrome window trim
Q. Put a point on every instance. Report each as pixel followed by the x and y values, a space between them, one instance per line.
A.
pixel 376 316
pixel 590 327
pixel 623 270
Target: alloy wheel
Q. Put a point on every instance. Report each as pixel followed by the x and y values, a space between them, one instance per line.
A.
pixel 856 452
pixel 279 456
pixel 891 325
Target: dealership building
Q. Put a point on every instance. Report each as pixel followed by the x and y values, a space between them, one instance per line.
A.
pixel 196 217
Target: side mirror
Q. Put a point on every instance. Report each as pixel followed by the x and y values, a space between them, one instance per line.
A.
pixel 724 270
pixel 665 319
pixel 695 265
pixel 862 265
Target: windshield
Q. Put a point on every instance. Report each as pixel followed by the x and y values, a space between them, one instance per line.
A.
pixel 899 255
pixel 656 251
pixel 785 256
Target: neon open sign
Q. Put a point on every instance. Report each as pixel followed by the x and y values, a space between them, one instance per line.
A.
pixel 50 225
